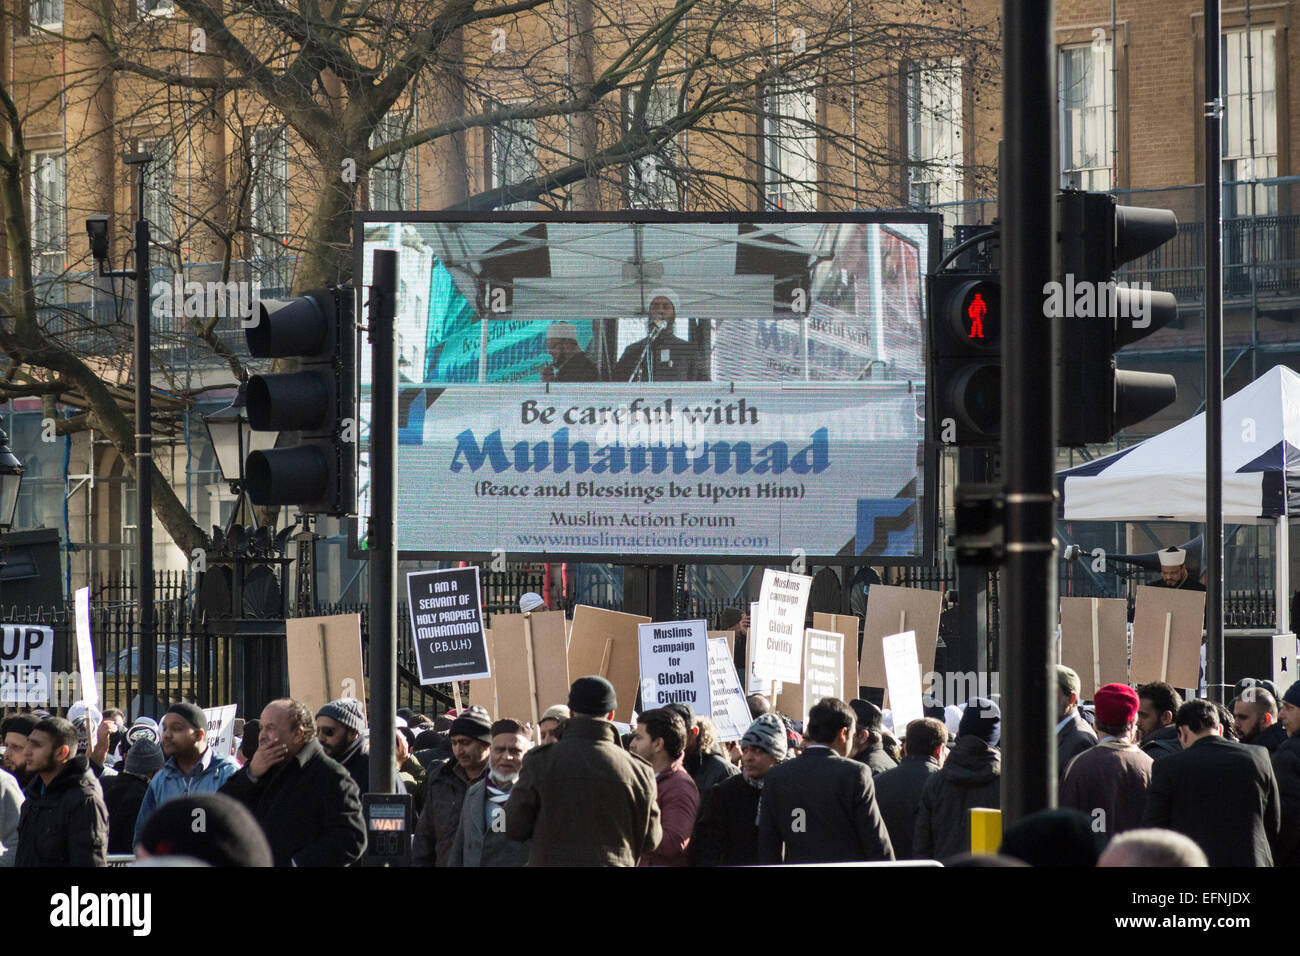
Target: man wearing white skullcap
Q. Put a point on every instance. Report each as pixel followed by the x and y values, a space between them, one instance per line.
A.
pixel 1173 571
pixel 661 356
pixel 569 363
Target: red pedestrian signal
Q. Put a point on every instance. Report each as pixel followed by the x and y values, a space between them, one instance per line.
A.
pixel 976 312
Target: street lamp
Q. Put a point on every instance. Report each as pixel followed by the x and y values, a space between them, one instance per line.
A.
pixel 233 439
pixel 11 478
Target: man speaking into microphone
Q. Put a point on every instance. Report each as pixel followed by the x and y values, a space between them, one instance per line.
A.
pixel 661 356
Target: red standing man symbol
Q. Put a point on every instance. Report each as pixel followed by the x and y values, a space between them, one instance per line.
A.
pixel 977 310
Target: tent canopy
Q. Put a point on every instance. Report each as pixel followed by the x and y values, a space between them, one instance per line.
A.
pixel 1163 478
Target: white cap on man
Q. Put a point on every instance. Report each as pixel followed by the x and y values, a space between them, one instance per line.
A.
pixel 1172 557
pixel 530 601
pixel 558 331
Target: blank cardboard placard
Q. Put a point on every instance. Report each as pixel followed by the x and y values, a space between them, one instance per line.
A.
pixel 1111 620
pixel 609 638
pixel 847 625
pixel 1184 613
pixel 483 690
pixel 729 637
pixel 523 691
pixel 324 659
pixel 901 665
pixel 892 610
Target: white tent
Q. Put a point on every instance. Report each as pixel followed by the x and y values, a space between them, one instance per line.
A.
pixel 1163 478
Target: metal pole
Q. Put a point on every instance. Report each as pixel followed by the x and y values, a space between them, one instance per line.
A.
pixel 1027 204
pixel 143 464
pixel 1213 550
pixel 383 527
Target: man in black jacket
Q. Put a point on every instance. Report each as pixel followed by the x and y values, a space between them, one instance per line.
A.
pixel 898 791
pixel 341 730
pixel 869 741
pixel 727 831
pixel 124 793
pixel 971 777
pixel 1286 767
pixel 446 785
pixel 1255 713
pixel 64 821
pixel 821 807
pixel 1219 792
pixel 306 803
pixel 1158 704
pixel 15 731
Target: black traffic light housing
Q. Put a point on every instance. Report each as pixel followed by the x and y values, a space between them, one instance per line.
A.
pixel 1099 316
pixel 315 466
pixel 965 322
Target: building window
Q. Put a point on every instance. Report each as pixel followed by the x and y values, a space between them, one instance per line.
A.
pixel 514 155
pixel 48 192
pixel 1249 121
pixel 790 145
pixel 270 203
pixel 934 133
pixel 46 13
pixel 388 186
pixel 1087 116
pixel 652 180
pixel 159 189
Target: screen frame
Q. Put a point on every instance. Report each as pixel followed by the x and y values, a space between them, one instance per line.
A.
pixel 929 504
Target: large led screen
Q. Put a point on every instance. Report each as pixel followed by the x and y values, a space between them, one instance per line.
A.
pixel 660 388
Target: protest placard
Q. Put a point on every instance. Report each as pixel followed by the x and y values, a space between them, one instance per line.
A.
pixel 847 625
pixel 891 610
pixel 26 663
pixel 221 729
pixel 778 633
pixel 1094 641
pixel 483 690
pixel 606 643
pixel 532 668
pixel 903 678
pixel 447 625
pixel 822 677
pixel 324 657
pixel 675 665
pixel 728 710
pixel 755 684
pixel 1167 627
pixel 85 652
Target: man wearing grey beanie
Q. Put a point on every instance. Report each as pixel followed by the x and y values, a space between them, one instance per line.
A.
pixel 727 831
pixel 124 793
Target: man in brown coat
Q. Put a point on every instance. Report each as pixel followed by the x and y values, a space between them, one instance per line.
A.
pixel 1109 781
pixel 584 800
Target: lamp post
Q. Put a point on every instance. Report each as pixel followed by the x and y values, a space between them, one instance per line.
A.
pixel 232 440
pixel 97 230
pixel 11 479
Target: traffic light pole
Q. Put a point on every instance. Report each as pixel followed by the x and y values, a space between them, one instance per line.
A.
pixel 383 527
pixel 1027 200
pixel 1213 548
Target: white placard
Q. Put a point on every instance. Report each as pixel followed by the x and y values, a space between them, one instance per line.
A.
pixel 221 729
pixel 85 653
pixel 26 663
pixel 823 666
pixel 728 710
pixel 903 677
pixel 778 631
pixel 753 683
pixel 675 664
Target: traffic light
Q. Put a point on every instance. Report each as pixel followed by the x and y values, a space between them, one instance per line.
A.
pixel 965 356
pixel 316 405
pixel 1099 316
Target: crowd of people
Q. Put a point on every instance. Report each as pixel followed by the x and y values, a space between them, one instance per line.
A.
pixel 1145 780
